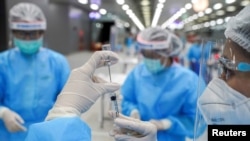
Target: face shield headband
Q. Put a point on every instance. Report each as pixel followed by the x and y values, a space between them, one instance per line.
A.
pixel 232 65
pixel 28 26
pixel 158 46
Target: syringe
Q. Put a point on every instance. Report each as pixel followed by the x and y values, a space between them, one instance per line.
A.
pixel 113 96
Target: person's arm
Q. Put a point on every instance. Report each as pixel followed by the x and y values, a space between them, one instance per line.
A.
pixel 129 104
pixel 183 124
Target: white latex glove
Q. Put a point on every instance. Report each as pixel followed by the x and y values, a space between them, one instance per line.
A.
pixel 162 124
pixel 130 129
pixel 82 88
pixel 135 114
pixel 13 121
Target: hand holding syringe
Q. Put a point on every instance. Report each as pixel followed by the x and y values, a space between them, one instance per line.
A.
pixel 113 96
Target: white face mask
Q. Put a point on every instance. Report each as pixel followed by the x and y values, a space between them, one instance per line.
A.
pixel 220 104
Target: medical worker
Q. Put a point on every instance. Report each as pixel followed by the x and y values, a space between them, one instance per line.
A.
pixel 31 76
pixel 226 99
pixel 194 55
pixel 160 90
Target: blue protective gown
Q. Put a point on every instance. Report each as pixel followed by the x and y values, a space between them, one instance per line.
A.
pixel 194 56
pixel 60 129
pixel 29 85
pixel 172 94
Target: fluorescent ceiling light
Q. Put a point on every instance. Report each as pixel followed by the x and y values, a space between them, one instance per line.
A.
pixel 200 14
pixel 188 6
pixel 227 19
pixel 217 6
pixel 162 1
pixel 231 8
pixel 194 1
pixel 145 2
pixel 157 15
pixel 125 7
pixel 208 10
pixel 83 1
pixel 160 5
pixel 244 3
pixel 229 1
pixel 129 11
pixel 219 21
pixel 94 6
pixel 120 2
pixel 220 13
pixel 103 11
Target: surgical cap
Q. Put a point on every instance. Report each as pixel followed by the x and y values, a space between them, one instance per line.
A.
pixel 238 28
pixel 157 38
pixel 27 16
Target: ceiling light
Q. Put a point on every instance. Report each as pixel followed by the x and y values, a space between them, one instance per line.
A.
pixel 162 1
pixel 231 8
pixel 183 10
pixel 126 24
pixel 206 24
pixel 94 6
pixel 120 2
pixel 208 10
pixel 125 7
pixel 212 16
pixel 244 3
pixel 83 1
pixel 103 11
pixel 200 5
pixel 145 2
pixel 194 1
pixel 220 13
pixel 227 19
pixel 160 5
pixel 200 14
pixel 229 1
pixel 212 23
pixel 217 6
pixel 129 11
pixel 219 21
pixel 188 6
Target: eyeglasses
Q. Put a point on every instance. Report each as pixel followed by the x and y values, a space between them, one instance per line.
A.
pixel 27 34
pixel 233 65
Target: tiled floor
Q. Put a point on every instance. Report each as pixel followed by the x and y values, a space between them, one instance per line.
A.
pixel 93 115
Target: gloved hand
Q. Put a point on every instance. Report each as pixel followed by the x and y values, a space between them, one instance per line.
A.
pixel 162 124
pixel 82 88
pixel 130 129
pixel 13 122
pixel 135 114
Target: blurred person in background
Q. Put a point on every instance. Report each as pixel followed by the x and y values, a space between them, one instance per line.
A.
pixel 194 54
pixel 160 90
pixel 31 76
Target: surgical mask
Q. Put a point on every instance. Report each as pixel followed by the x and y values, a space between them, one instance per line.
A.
pixel 28 47
pixel 154 65
pixel 220 104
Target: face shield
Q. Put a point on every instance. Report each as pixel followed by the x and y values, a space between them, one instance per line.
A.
pixel 222 101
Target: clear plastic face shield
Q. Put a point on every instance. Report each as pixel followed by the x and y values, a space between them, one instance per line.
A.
pixel 157 54
pixel 224 70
